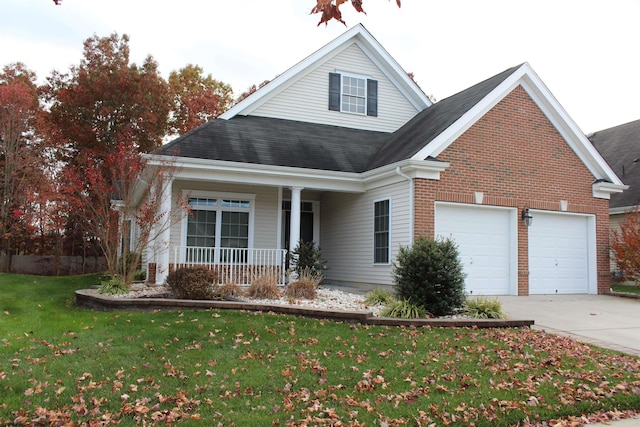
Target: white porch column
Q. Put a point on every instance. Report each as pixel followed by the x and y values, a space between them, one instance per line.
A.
pixel 294 230
pixel 163 228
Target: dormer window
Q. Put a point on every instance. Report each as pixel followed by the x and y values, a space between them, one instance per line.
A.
pixel 353 94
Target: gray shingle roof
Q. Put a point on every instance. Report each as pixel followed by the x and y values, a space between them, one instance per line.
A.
pixel 620 147
pixel 277 142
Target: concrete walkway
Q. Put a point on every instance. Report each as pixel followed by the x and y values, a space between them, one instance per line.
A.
pixel 603 320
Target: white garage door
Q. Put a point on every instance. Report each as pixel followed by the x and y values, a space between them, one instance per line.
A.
pixel 485 241
pixel 558 254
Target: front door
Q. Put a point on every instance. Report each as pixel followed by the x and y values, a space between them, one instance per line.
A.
pixel 306 223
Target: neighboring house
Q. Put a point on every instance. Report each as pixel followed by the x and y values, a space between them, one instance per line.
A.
pixel 620 147
pixel 346 150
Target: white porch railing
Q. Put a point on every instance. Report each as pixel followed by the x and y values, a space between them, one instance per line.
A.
pixel 233 265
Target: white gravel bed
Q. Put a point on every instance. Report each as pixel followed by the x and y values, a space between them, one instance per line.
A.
pixel 327 298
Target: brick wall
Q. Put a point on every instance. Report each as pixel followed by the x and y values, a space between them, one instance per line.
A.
pixel 516 157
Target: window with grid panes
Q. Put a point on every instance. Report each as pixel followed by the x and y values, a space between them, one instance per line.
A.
pixel 381 228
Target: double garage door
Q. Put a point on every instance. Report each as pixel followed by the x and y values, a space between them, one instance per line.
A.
pixel 559 249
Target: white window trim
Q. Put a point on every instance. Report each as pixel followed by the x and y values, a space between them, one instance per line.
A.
pixel 366 94
pixel 219 196
pixel 373 231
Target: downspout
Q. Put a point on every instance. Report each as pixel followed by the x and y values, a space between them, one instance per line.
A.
pixel 411 197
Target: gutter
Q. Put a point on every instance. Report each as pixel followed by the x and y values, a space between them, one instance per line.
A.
pixel 411 198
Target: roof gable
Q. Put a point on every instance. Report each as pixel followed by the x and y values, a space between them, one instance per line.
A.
pixel 524 76
pixel 426 126
pixel 369 46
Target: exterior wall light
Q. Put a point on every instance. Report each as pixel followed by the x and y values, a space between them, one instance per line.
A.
pixel 527 218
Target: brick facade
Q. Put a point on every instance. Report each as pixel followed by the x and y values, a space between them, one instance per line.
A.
pixel 516 158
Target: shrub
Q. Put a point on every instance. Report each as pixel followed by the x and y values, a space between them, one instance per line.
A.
pixel 484 308
pixel 140 276
pixel 429 273
pixel 113 286
pixel 404 309
pixel 307 256
pixel 625 246
pixel 305 286
pixel 230 290
pixel 378 297
pixel 193 282
pixel 265 286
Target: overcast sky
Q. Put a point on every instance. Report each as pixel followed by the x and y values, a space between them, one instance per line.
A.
pixel 586 52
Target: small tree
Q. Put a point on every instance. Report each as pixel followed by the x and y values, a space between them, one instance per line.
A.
pixel 429 273
pixel 625 245
pixel 307 258
pixel 122 192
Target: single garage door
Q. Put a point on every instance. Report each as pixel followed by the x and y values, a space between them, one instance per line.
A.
pixel 558 254
pixel 485 242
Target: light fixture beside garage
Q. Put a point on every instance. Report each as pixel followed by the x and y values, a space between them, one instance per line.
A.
pixel 527 218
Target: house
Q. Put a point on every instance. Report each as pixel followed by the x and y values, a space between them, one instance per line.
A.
pixel 620 147
pixel 346 150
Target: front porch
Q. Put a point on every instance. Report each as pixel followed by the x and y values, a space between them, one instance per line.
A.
pixel 233 265
pixel 238 230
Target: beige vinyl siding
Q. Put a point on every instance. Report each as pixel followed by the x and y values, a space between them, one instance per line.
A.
pixel 614 225
pixel 306 99
pixel 346 232
pixel 265 220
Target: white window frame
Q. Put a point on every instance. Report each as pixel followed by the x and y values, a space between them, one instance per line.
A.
pixel 219 209
pixel 344 74
pixel 388 262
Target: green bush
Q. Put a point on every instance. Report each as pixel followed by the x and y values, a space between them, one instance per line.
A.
pixel 378 297
pixel 140 276
pixel 429 273
pixel 484 308
pixel 404 309
pixel 193 282
pixel 113 286
pixel 307 257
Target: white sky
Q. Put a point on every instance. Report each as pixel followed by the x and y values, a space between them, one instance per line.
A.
pixel 587 52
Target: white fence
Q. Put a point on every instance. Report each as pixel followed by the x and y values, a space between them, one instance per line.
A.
pixel 233 265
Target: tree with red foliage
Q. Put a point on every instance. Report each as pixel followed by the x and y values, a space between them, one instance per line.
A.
pixel 102 105
pixel 22 155
pixel 105 97
pixel 197 98
pixel 117 196
pixel 625 245
pixel 251 91
pixel 330 9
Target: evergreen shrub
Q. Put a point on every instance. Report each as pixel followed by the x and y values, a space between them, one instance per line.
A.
pixel 429 273
pixel 307 257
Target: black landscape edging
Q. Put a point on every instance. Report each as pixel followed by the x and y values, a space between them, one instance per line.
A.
pixel 88 298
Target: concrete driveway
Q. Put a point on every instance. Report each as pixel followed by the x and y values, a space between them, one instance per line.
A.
pixel 602 320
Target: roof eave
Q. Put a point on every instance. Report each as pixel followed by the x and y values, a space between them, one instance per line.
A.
pixel 604 190
pixel 243 173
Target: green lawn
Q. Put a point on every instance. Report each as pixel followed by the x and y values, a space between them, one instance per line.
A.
pixel 60 365
pixel 627 289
